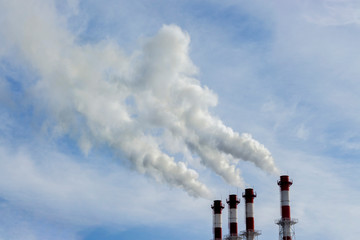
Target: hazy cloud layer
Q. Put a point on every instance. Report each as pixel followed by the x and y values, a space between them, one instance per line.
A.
pixel 285 71
pixel 46 192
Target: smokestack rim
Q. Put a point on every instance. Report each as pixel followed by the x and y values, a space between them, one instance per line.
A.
pixel 249 193
pixel 217 206
pixel 233 200
pixel 284 180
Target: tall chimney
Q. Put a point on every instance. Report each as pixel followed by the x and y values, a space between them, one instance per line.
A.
pixel 233 201
pixel 249 233
pixel 249 196
pixel 217 226
pixel 285 222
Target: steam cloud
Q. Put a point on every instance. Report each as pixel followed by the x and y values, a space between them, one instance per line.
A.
pixel 146 106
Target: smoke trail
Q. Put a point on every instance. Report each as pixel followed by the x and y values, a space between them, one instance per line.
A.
pixel 97 94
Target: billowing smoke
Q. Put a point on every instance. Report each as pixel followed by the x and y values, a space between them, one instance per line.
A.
pixel 146 106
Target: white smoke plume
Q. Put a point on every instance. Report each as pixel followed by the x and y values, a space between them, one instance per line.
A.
pixel 98 95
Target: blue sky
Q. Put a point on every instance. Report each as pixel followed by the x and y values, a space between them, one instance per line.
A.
pixel 125 119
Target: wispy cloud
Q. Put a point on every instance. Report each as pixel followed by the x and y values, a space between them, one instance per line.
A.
pixel 47 186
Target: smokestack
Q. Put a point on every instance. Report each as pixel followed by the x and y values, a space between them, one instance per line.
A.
pixel 249 196
pixel 217 226
pixel 250 232
pixel 285 184
pixel 285 223
pixel 233 201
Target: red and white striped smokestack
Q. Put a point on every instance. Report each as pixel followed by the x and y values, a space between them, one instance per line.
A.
pixel 217 225
pixel 250 233
pixel 285 222
pixel 285 184
pixel 249 196
pixel 233 201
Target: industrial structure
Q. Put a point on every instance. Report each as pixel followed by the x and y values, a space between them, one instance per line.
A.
pixel 286 230
pixel 250 233
pixel 232 202
pixel 217 225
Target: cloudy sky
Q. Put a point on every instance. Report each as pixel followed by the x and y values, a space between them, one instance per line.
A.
pixel 125 119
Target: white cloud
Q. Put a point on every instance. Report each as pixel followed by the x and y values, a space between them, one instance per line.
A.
pixel 86 88
pixel 335 13
pixel 302 132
